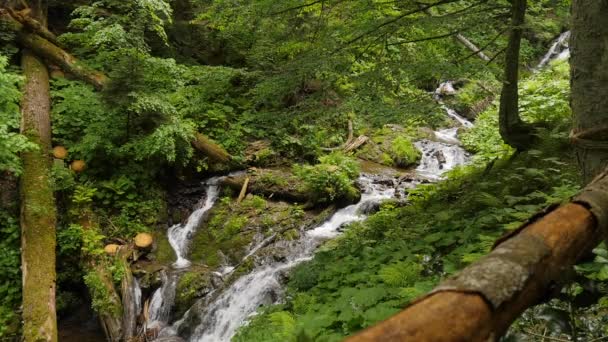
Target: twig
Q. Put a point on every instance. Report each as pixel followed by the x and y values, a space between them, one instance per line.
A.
pixel 547 337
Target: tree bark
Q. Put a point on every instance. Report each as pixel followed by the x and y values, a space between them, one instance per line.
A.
pixel 589 83
pixel 512 129
pixel 38 214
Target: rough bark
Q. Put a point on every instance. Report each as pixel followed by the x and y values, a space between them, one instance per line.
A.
pixel 38 214
pixel 589 81
pixel 129 304
pixel 512 129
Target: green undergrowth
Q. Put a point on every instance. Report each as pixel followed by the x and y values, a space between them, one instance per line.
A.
pixel 380 265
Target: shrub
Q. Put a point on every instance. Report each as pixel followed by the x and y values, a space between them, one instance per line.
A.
pixel 331 180
pixel 403 152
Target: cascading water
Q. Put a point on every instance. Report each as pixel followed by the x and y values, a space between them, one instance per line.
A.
pixel 559 50
pixel 231 309
pixel 223 316
pixel 179 235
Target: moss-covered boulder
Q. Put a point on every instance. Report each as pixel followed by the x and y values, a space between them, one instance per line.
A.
pixel 233 229
pixel 392 146
pixel 193 285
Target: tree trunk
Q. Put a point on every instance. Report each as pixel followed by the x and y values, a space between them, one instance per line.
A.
pixel 512 130
pixel 37 203
pixel 589 81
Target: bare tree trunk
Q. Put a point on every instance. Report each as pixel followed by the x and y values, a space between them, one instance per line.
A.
pixel 512 130
pixel 38 214
pixel 589 81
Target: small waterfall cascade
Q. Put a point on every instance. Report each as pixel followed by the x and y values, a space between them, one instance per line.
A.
pixel 443 153
pixel 559 50
pixel 231 309
pixel 225 314
pixel 180 234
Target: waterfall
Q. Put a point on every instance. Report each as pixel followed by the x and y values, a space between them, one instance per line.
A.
pixel 559 50
pixel 180 234
pixel 220 318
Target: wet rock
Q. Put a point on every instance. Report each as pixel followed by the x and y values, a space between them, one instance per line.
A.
pixel 369 207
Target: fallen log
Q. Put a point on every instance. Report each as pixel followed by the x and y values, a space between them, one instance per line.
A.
pixel 243 191
pixel 360 141
pixel 482 300
pixel 270 183
pixel 211 149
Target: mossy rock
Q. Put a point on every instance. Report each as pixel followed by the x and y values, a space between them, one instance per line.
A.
pixel 163 252
pixel 393 146
pixel 227 235
pixel 193 285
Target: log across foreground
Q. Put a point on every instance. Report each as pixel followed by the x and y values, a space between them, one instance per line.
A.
pixel 481 302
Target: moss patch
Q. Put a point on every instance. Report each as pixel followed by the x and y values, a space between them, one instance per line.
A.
pixel 392 146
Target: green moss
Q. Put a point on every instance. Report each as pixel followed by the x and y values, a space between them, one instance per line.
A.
pixel 164 252
pixel 403 152
pixel 191 286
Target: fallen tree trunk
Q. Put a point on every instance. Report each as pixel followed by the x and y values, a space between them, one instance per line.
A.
pixel 270 183
pixel 110 319
pixel 482 300
pixel 474 49
pixel 211 149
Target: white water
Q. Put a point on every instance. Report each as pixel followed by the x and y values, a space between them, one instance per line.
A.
pixel 222 317
pixel 559 50
pixel 233 307
pixel 180 235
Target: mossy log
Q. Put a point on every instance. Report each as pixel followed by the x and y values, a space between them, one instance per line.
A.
pixel 211 149
pixel 111 321
pixel 271 183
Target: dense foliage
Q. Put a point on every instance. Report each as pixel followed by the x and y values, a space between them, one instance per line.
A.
pixel 277 84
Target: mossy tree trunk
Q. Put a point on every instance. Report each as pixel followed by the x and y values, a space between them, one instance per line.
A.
pixel 37 201
pixel 512 129
pixel 589 81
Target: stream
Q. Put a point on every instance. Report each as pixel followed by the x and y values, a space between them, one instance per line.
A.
pixel 219 318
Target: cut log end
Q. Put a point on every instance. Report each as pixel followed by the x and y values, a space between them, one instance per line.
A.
pixel 60 152
pixel 143 240
pixel 78 165
pixel 111 249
